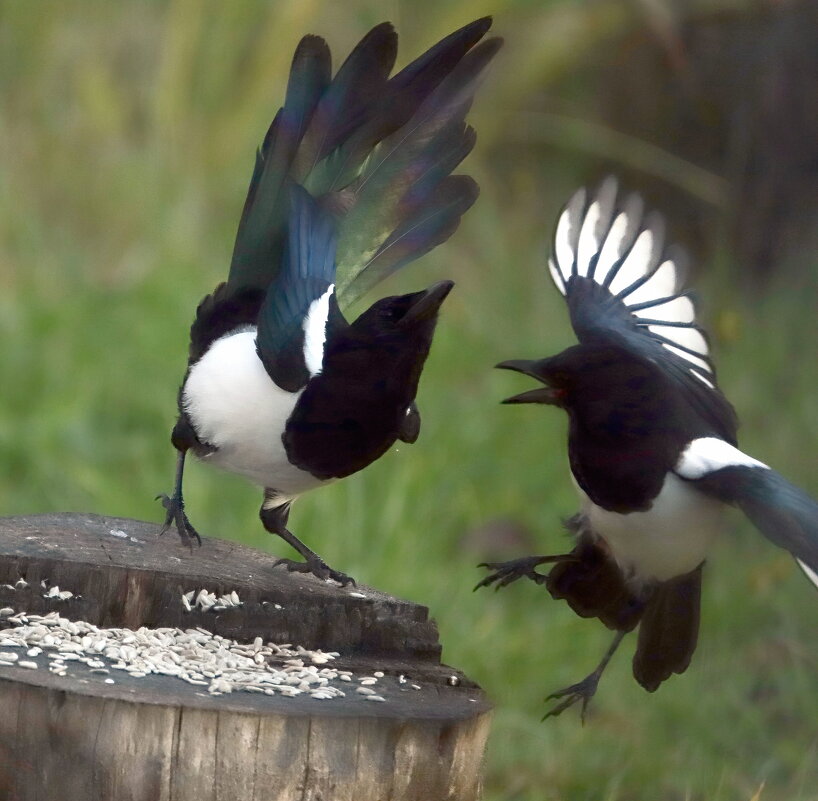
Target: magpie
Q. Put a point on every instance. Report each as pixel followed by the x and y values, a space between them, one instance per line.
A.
pixel 651 443
pixel 352 182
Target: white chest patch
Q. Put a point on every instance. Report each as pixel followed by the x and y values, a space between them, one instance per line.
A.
pixel 234 405
pixel 671 538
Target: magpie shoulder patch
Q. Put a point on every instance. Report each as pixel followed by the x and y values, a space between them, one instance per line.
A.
pixel 708 454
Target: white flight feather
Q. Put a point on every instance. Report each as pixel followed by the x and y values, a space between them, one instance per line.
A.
pixel 588 244
pixel 627 254
pixel 661 284
pixel 636 263
pixel 613 247
pixel 678 310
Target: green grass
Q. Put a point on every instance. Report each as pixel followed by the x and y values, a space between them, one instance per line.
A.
pixel 128 131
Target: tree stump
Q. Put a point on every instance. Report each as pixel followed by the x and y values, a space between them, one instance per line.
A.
pixel 81 732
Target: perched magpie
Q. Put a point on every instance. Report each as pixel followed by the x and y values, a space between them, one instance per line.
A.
pixel 651 444
pixel 352 182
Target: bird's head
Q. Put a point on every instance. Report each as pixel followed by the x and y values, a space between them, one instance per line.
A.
pixel 404 319
pixel 383 351
pixel 584 375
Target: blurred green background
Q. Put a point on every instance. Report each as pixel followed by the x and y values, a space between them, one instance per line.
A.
pixel 127 133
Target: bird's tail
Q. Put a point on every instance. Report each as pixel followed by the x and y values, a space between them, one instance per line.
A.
pixel 378 152
pixel 669 630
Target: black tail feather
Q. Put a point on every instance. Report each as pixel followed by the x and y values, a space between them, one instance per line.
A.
pixel 669 630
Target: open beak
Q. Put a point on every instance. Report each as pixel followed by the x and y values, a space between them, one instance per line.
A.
pixel 428 303
pixel 546 394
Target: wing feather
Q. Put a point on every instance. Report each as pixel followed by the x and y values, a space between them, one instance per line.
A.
pixel 621 283
pixel 782 512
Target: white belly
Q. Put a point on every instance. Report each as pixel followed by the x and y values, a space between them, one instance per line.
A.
pixel 235 406
pixel 671 538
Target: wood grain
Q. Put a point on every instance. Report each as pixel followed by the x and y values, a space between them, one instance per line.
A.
pixel 159 738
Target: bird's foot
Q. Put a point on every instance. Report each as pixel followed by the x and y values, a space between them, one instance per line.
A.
pixel 318 567
pixel 507 572
pixel 583 691
pixel 175 515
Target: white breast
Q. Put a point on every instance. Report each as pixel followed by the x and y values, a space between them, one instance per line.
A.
pixel 234 405
pixel 672 538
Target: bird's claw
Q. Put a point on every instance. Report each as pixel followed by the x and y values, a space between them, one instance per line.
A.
pixel 583 691
pixel 318 568
pixel 507 572
pixel 175 509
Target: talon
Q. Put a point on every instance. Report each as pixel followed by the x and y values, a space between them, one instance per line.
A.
pixel 583 691
pixel 176 516
pixel 506 573
pixel 318 568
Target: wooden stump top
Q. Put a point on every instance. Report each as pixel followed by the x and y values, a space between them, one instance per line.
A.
pixel 122 574
pixel 129 576
pixel 74 729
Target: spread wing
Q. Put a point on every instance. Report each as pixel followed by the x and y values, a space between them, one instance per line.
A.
pixel 377 151
pixel 622 286
pixel 782 512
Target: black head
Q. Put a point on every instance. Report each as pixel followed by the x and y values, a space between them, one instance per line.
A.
pixel 392 338
pixel 586 376
pixel 404 318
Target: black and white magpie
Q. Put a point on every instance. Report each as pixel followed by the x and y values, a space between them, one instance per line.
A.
pixel 651 443
pixel 352 182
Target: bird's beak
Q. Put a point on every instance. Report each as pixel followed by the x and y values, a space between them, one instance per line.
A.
pixel 428 303
pixel 546 394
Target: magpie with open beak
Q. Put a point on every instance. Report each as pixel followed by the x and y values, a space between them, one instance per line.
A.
pixel 651 444
pixel 352 182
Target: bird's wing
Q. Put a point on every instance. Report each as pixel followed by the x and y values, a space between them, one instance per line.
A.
pixel 621 283
pixel 300 309
pixel 782 512
pixel 405 201
pixel 259 246
pixel 377 152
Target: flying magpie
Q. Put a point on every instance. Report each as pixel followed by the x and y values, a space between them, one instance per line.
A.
pixel 651 443
pixel 352 182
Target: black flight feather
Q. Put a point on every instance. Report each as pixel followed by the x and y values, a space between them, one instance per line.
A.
pixel 375 152
pixel 259 239
pixel 307 274
pixel 782 512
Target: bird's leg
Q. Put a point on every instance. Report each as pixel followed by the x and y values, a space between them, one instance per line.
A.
pixel 584 690
pixel 274 520
pixel 175 508
pixel 524 567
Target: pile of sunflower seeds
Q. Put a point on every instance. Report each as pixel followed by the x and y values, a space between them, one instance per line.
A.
pixel 196 656
pixel 209 601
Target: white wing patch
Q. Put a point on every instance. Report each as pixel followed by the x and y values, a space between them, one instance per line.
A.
pixel 315 332
pixel 623 249
pixel 708 454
